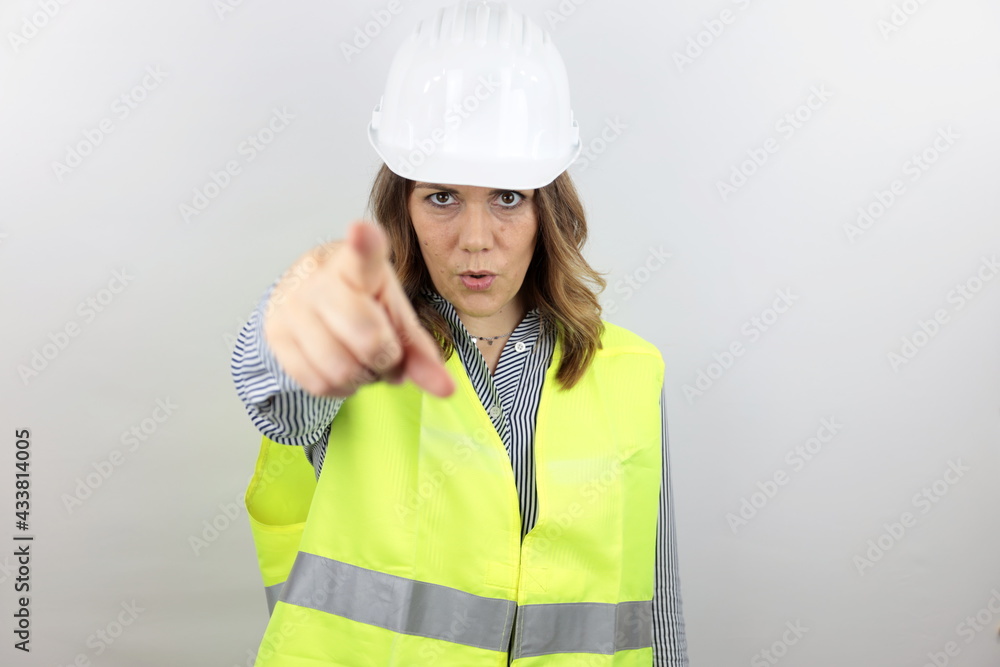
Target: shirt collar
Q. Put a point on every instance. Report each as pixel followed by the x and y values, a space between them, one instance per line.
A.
pixel 527 330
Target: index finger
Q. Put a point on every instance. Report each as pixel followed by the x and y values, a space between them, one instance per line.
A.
pixel 421 354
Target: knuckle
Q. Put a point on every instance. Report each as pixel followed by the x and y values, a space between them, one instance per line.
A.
pixel 381 362
pixel 352 376
pixel 387 355
pixel 365 375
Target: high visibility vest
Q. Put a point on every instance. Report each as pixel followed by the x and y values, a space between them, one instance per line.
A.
pixel 407 551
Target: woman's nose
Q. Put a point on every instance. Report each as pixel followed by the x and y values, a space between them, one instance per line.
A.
pixel 475 228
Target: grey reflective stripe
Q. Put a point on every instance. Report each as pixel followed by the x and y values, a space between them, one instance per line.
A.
pixel 272 593
pixel 582 627
pixel 399 604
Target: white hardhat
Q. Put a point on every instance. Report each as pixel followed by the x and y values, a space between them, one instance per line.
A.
pixel 477 95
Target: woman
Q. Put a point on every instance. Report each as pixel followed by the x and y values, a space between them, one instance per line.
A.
pixel 414 543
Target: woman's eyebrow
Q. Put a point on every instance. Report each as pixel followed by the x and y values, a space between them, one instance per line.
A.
pixel 435 186
pixel 445 188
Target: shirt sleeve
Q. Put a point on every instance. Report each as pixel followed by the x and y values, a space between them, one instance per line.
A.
pixel 669 640
pixel 278 407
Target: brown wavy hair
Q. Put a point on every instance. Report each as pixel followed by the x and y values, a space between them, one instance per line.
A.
pixel 556 281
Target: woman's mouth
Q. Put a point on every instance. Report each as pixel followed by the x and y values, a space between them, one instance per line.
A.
pixel 477 281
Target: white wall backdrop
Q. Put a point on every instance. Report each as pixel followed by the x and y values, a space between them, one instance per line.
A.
pixel 796 201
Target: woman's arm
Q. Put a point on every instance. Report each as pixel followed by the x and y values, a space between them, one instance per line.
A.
pixel 669 640
pixel 278 407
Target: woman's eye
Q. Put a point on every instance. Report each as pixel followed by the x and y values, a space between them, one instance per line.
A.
pixel 510 199
pixel 507 200
pixel 439 199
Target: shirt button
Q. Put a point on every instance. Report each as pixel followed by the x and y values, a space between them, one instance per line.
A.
pixel 519 346
pixel 495 411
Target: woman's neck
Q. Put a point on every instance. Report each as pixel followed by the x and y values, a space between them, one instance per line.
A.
pixel 502 322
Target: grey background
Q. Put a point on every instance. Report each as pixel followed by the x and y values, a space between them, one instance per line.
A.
pixel 168 335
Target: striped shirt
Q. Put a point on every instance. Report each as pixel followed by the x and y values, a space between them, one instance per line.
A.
pixel 288 415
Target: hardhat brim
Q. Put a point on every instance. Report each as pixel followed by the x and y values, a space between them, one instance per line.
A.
pixel 501 173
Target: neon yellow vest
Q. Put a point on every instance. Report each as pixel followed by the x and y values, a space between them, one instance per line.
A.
pixel 407 551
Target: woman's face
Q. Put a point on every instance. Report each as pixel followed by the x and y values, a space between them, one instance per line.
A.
pixel 471 229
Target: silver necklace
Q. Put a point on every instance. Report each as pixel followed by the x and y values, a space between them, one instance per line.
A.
pixel 489 339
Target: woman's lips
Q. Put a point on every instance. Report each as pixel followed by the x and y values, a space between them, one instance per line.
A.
pixel 477 284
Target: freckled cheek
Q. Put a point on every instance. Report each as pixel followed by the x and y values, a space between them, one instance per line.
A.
pixel 435 254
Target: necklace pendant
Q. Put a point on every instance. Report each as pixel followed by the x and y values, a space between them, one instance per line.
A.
pixel 490 341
